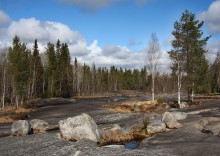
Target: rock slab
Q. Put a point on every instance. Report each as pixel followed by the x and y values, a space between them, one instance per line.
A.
pixel 79 127
pixel 20 128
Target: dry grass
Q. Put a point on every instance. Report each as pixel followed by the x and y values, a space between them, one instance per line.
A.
pixel 13 109
pixel 11 114
pixel 116 136
pixel 4 119
pixel 134 106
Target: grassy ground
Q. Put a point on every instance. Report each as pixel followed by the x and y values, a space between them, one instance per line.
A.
pixel 11 114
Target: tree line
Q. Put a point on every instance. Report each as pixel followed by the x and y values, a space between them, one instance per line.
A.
pixel 27 74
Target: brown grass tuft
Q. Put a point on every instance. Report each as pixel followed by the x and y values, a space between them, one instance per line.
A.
pixel 11 114
pixel 116 136
pixel 5 119
pixel 135 106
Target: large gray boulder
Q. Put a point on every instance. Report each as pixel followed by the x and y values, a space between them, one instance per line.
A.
pixel 79 127
pixel 20 128
pixel 170 121
pixel 179 115
pixel 156 126
pixel 39 126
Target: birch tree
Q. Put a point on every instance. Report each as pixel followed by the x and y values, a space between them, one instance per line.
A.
pixel 4 65
pixel 152 60
pixel 177 58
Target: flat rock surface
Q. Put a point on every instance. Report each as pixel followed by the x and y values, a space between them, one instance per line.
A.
pixel 187 140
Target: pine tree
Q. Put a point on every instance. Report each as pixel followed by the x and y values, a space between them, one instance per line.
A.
pixel 188 47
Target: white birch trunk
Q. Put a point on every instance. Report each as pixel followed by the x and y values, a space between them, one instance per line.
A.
pixel 152 88
pixel 179 83
pixel 4 87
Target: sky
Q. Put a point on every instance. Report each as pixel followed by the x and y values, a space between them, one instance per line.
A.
pixel 105 32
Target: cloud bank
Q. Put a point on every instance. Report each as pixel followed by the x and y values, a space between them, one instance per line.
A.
pixel 49 31
pixel 212 17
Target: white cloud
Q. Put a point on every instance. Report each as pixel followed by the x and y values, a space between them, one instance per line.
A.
pixel 213 47
pixel 30 29
pixel 47 31
pixel 112 56
pixel 116 51
pixel 4 18
pixel 211 17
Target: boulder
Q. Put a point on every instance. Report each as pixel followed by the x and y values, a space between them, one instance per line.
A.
pixel 20 128
pixel 170 121
pixel 184 105
pixel 79 127
pixel 156 126
pixel 179 115
pixel 39 126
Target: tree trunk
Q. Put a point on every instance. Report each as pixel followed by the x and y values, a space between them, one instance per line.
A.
pixel 152 88
pixel 17 102
pixel 4 87
pixel 43 81
pixel 33 82
pixel 192 93
pixel 179 83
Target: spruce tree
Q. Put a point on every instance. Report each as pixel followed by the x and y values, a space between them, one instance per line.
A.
pixel 37 71
pixel 51 69
pixel 19 69
pixel 65 66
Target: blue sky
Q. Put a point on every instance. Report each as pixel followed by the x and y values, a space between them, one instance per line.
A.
pixel 107 32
